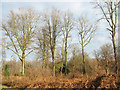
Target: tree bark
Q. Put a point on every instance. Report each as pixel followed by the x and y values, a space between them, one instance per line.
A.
pixel 115 53
pixel 107 68
pixel 47 57
pixel 62 58
pixel 83 55
pixel 23 68
pixel 44 56
pixel 53 58
pixel 61 67
pixel 23 63
pixel 66 55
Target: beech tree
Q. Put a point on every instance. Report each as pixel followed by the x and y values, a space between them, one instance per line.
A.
pixel 110 14
pixel 62 56
pixel 68 23
pixel 52 22
pixel 86 30
pixel 104 56
pixel 43 46
pixel 20 28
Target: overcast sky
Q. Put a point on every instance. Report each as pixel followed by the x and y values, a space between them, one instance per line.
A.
pixel 83 7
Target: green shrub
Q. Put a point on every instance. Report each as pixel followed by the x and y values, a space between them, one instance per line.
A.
pixel 17 74
pixel 7 70
pixel 63 70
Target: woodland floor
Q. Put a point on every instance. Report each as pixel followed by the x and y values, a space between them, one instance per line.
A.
pixel 72 81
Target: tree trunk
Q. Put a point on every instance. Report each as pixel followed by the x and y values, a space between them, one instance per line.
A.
pixel 61 67
pixel 115 53
pixel 83 55
pixel 47 59
pixel 62 58
pixel 107 68
pixel 23 63
pixel 43 58
pixel 23 67
pixel 53 58
pixel 66 55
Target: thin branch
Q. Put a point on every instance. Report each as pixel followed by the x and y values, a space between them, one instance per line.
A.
pixel 29 53
pixel 11 50
pixel 105 15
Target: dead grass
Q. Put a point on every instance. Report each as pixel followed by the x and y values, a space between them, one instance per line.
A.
pixel 75 80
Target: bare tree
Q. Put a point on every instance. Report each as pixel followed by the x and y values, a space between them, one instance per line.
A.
pixel 62 54
pixel 52 21
pixel 20 28
pixel 67 27
pixel 3 51
pixel 43 45
pixel 104 56
pixel 109 11
pixel 86 31
pixel 75 60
